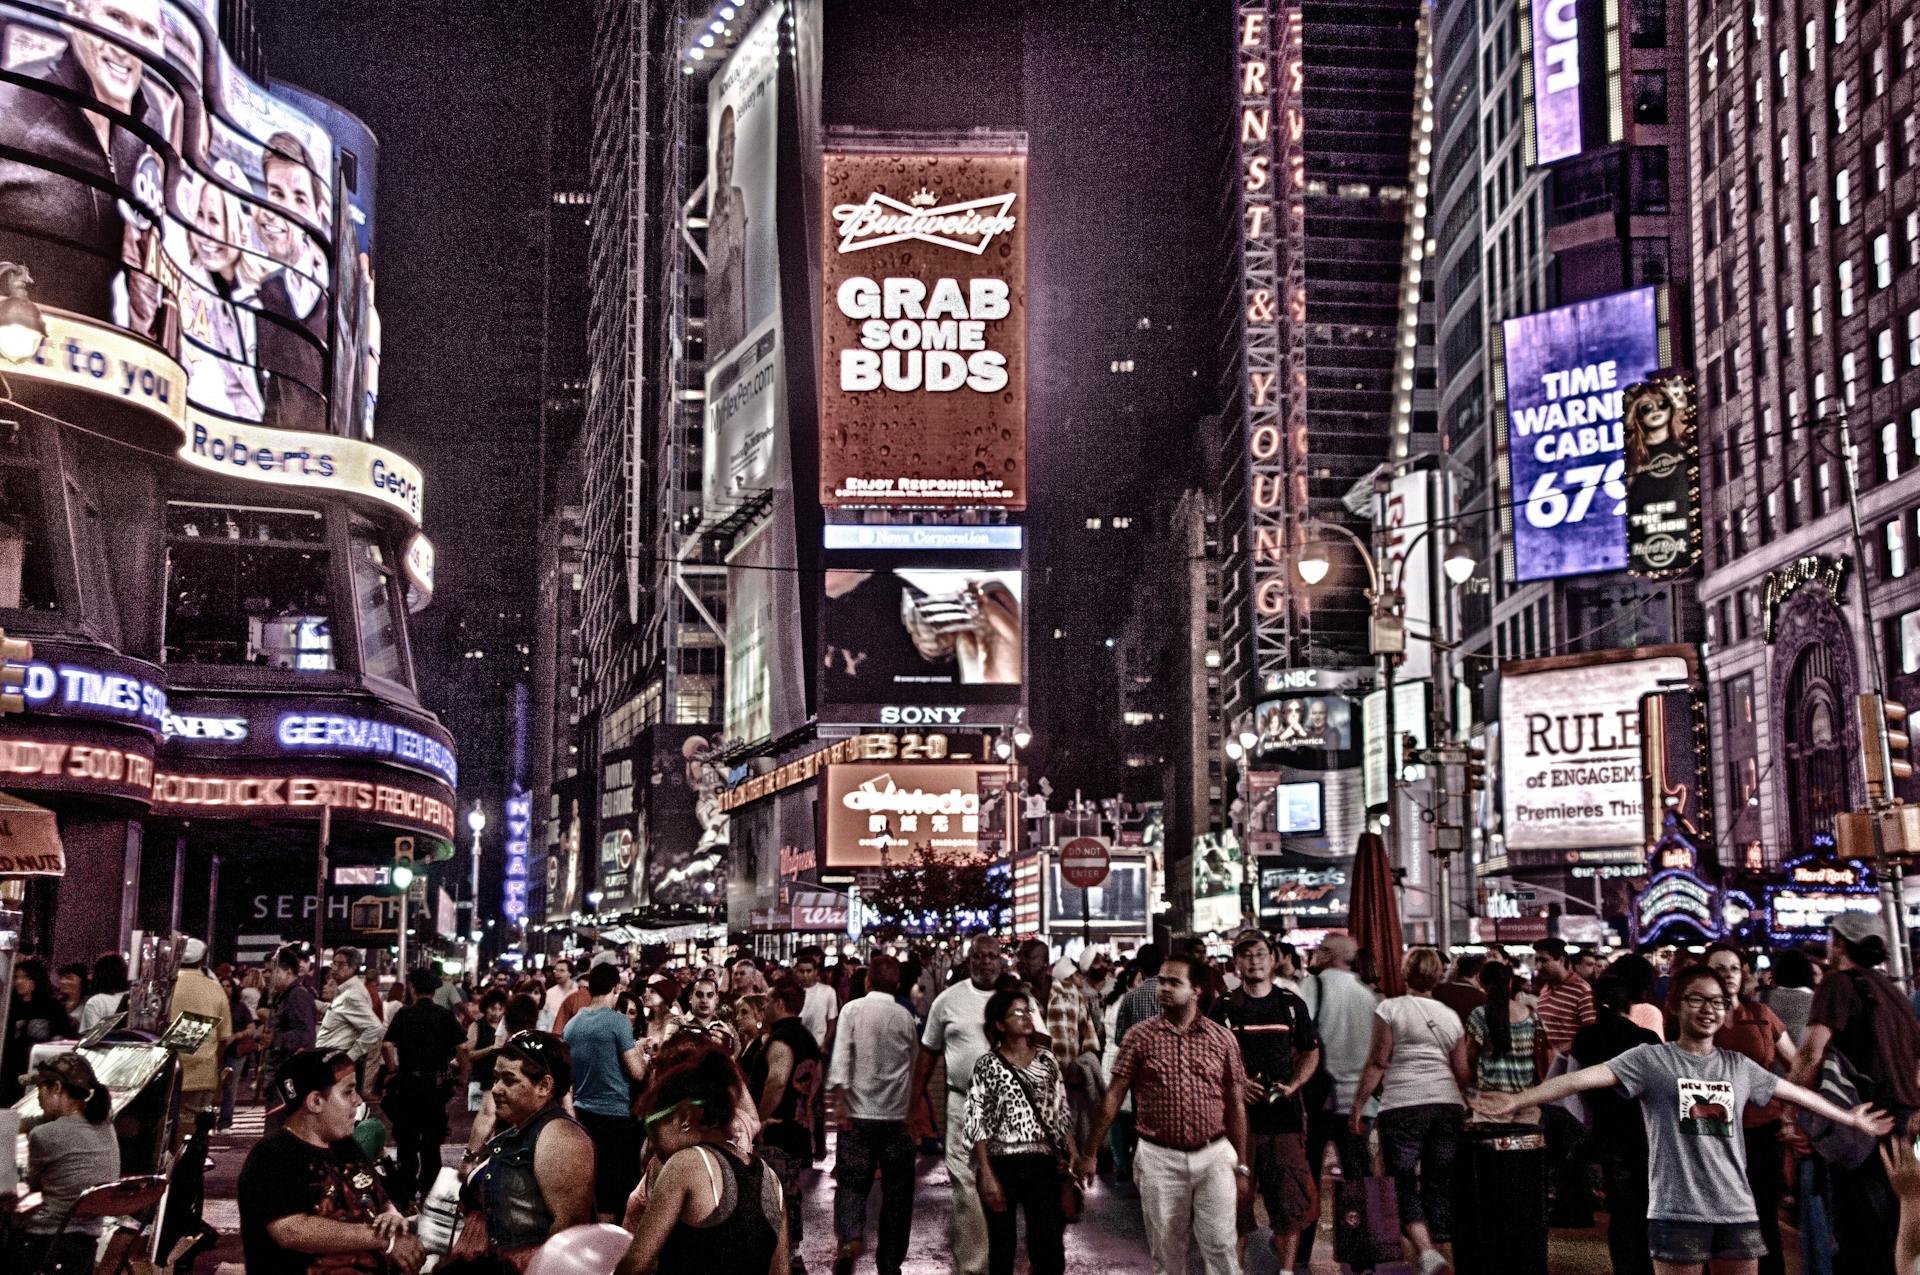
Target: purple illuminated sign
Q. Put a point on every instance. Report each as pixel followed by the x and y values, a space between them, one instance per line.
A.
pixel 513 892
pixel 1556 79
pixel 1566 374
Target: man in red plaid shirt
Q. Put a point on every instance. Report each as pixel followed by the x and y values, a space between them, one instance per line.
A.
pixel 1188 1084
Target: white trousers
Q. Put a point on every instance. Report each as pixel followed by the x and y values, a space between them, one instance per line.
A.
pixel 967 1230
pixel 1189 1196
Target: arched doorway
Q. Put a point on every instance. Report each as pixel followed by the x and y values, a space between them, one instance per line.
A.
pixel 1815 735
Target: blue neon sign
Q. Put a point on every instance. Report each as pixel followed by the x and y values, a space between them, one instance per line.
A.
pixel 513 893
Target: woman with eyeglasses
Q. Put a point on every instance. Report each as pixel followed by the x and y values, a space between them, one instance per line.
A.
pixel 1418 1064
pixel 534 1176
pixel 1702 1211
pixel 711 1208
pixel 1021 1133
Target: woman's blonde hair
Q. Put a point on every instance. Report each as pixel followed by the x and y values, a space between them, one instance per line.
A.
pixel 1423 969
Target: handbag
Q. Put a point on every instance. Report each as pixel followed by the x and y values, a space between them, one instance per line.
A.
pixel 1366 1223
pixel 1073 1198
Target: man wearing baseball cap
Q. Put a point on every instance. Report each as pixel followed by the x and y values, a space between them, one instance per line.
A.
pixel 1859 1014
pixel 196 992
pixel 308 1196
pixel 1280 1050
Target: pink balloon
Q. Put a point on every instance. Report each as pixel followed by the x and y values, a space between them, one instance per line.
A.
pixel 582 1250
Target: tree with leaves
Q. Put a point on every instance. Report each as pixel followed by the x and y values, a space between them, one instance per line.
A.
pixel 928 892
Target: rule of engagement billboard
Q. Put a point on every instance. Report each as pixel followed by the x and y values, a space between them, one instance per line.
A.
pixel 1571 772
pixel 885 815
pixel 1567 371
pixel 924 330
pixel 746 401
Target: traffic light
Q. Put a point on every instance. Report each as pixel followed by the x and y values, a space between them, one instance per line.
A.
pixel 1475 769
pixel 17 654
pixel 403 862
pixel 1883 744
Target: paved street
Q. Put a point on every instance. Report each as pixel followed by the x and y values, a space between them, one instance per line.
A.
pixel 1109 1241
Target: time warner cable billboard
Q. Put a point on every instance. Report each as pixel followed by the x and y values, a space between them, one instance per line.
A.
pixel 1567 371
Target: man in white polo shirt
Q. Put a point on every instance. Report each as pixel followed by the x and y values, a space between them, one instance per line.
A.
pixel 957 1032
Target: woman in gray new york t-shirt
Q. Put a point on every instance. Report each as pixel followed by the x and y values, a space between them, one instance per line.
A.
pixel 1691 1096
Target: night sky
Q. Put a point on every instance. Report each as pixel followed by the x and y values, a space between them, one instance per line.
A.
pixel 1123 112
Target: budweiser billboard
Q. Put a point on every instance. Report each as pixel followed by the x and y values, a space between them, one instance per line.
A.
pixel 879 815
pixel 924 329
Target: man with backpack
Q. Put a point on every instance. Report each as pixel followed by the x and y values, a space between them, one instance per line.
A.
pixel 1280 1051
pixel 1861 1041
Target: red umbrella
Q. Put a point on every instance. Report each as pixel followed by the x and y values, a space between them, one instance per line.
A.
pixel 1373 912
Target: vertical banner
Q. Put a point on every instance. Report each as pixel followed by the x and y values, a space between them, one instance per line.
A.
pixel 746 450
pixel 1678 798
pixel 1406 516
pixel 1663 477
pixel 1553 29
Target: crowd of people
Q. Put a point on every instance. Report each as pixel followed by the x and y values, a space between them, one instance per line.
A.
pixel 1471 1107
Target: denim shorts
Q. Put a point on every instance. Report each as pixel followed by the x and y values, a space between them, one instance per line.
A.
pixel 1697 1242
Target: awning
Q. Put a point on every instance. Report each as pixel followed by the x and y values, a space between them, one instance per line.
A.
pixel 29 840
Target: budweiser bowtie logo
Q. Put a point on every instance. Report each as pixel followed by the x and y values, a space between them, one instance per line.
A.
pixel 969 226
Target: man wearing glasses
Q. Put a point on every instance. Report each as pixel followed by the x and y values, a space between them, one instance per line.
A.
pixel 1691 1095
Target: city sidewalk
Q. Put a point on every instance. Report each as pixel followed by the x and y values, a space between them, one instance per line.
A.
pixel 1109 1240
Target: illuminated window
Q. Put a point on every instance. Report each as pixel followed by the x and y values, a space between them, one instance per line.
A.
pixel 1882 260
pixel 1883 356
pixel 27 575
pixel 1896 549
pixel 248 585
pixel 1842 197
pixel 378 606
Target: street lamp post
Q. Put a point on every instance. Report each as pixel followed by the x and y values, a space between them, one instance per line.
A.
pixel 477 822
pixel 1388 642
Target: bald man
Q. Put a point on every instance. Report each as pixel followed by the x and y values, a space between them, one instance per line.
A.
pixel 1343 1014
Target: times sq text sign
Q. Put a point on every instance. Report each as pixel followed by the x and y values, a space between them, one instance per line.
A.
pixel 1565 376
pixel 924 329
pixel 1274 304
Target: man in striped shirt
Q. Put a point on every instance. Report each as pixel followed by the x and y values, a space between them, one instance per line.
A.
pixel 1565 1006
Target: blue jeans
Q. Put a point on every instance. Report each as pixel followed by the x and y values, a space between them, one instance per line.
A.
pixel 874 1147
pixel 1418 1145
pixel 1816 1222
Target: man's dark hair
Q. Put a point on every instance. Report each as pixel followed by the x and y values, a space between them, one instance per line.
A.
pixel 1611 995
pixel 523 1012
pixel 884 974
pixel 1194 966
pixel 424 982
pixel 110 973
pixel 1550 947
pixel 1147 959
pixel 792 996
pixel 1467 966
pixel 602 979
pixel 1792 968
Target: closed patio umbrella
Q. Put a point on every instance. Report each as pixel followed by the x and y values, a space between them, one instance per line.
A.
pixel 1373 913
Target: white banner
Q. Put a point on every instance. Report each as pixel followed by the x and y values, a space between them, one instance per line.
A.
pixel 300 458
pixel 1570 765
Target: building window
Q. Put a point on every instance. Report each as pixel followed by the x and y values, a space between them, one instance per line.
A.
pixel 1882 260
pixel 1839 21
pixel 1913 338
pixel 1822 489
pixel 1889 452
pixel 1815 746
pixel 379 606
pixel 28 574
pixel 1842 197
pixel 1883 355
pixel 248 585
pixel 1909 152
pixel 1848 366
pixel 1876 65
pixel 1649 97
pixel 1741 746
pixel 1816 321
pixel 1770 515
pixel 1840 108
pixel 1845 276
pixel 1896 534
pixel 1647 24
pixel 1878 180
pixel 1910 244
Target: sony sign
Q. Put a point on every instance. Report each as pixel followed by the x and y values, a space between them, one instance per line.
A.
pixel 920 715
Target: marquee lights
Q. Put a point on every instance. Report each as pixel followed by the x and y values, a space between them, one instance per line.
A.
pixel 1273 298
pixel 337 733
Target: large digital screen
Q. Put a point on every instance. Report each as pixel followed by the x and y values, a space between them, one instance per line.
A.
pixel 201 221
pixel 746 442
pixel 886 815
pixel 1571 772
pixel 1567 371
pixel 1555 29
pixel 1296 807
pixel 1119 900
pixel 1296 722
pixel 924 330
pixel 897 635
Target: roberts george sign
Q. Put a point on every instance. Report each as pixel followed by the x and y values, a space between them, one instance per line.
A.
pixel 924 359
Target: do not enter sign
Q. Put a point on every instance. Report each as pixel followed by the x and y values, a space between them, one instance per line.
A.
pixel 1084 862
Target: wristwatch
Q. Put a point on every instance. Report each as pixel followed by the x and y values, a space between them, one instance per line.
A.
pixel 1243 1170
